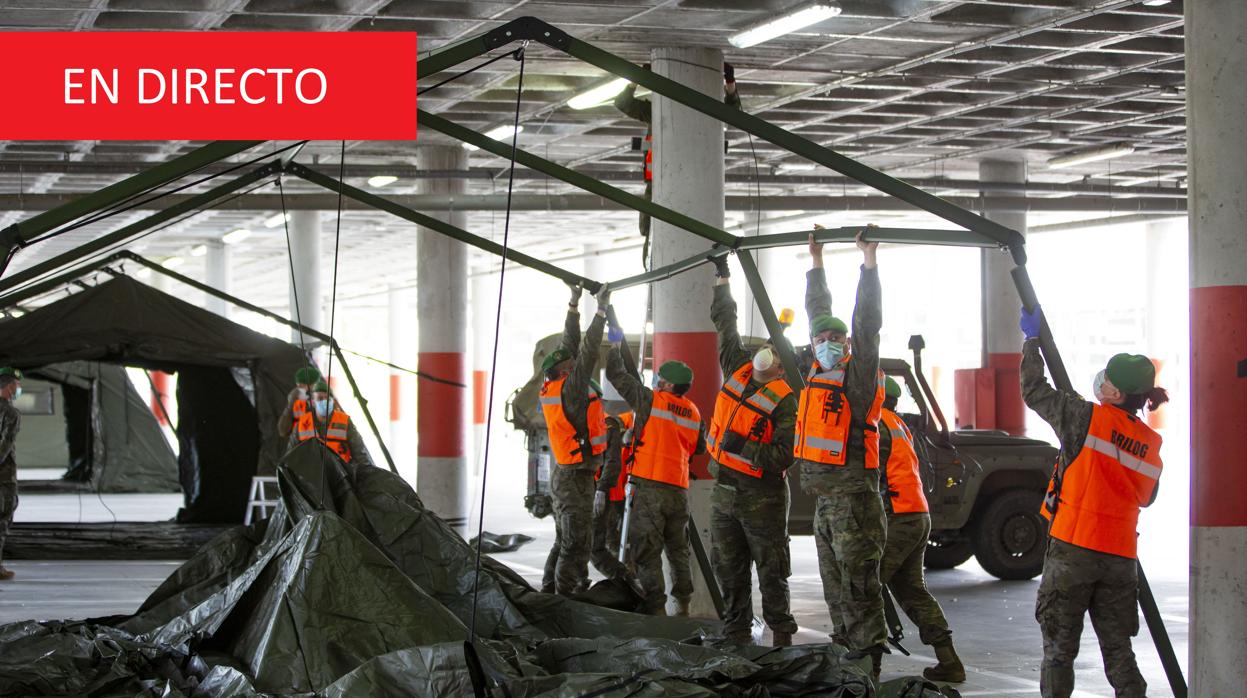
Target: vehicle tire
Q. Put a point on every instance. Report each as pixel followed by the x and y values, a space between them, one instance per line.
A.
pixel 946 555
pixel 1010 536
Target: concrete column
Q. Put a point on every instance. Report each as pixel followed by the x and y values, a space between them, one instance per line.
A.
pixel 688 177
pixel 1002 340
pixel 306 301
pixel 1216 99
pixel 217 275
pixel 442 305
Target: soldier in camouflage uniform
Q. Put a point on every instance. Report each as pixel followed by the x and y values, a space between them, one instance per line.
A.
pixel 749 516
pixel 660 512
pixel 608 515
pixel 849 523
pixel 10 424
pixel 1090 565
pixel 571 484
pixel 909 526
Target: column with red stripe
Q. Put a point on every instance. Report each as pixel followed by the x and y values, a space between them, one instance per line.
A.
pixel 1216 98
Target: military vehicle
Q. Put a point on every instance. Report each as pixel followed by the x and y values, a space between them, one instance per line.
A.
pixel 984 487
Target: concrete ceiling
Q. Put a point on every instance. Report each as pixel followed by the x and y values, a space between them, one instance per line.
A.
pixel 922 89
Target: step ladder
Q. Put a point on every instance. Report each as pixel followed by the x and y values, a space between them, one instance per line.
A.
pixel 263 498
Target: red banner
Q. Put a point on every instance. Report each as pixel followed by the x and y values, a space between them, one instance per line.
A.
pixel 208 86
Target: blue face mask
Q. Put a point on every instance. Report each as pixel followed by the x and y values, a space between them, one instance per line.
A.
pixel 323 407
pixel 829 353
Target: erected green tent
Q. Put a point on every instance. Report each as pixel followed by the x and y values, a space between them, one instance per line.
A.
pixel 232 381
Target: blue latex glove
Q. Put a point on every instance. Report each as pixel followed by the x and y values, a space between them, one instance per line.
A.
pixel 614 334
pixel 1030 322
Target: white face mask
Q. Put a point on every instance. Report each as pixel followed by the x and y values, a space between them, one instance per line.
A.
pixel 829 353
pixel 764 359
pixel 323 407
pixel 1097 389
pixel 17 393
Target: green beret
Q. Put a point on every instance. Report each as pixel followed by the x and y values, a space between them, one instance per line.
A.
pixel 676 372
pixel 10 371
pixel 307 375
pixel 320 387
pixel 824 323
pixel 892 388
pixel 1133 374
pixel 555 358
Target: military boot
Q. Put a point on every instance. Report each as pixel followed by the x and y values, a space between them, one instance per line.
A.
pixel 740 637
pixel 781 639
pixel 6 574
pixel 949 669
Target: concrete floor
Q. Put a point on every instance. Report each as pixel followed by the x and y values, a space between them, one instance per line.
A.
pixel 993 621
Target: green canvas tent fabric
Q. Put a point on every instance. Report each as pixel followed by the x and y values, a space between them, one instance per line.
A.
pixel 353 588
pixel 232 381
pixel 115 442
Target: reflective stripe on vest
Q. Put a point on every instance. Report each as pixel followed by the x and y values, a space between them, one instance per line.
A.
pixel 565 444
pixel 668 440
pixel 1113 475
pixel 750 418
pixel 824 418
pixel 336 432
pixel 904 476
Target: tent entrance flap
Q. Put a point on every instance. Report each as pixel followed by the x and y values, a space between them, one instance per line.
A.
pixel 218 444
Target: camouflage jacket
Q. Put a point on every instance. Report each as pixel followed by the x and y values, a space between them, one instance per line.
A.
pixel 775 457
pixel 10 424
pixel 860 383
pixel 580 380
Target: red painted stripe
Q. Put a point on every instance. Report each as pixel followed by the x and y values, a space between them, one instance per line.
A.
pixel 1218 403
pixel 396 397
pixel 480 395
pixel 1010 409
pixel 160 380
pixel 701 352
pixel 440 417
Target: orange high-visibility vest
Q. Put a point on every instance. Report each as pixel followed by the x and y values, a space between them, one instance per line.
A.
pixel 667 440
pixel 335 434
pixel 823 418
pixel 566 445
pixel 1101 491
pixel 616 492
pixel 298 409
pixel 649 157
pixel 749 417
pixel 904 479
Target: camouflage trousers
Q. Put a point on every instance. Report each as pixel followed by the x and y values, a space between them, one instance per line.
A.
pixel 849 529
pixel 749 527
pixel 901 572
pixel 1075 581
pixel 660 523
pixel 572 491
pixel 8 500
pixel 605 551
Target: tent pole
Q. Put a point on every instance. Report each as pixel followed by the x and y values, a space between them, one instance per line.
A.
pixel 363 404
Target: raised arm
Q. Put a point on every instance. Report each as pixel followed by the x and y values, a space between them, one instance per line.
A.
pixel 571 324
pixel 634 392
pixel 628 103
pixel 1069 414
pixel 817 295
pixel 732 352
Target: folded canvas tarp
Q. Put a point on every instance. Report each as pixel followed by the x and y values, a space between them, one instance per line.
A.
pixel 353 588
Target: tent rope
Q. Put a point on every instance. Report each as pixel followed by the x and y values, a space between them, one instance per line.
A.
pixel 294 283
pixel 493 366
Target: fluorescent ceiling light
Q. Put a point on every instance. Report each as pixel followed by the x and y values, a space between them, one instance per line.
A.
pixel 276 219
pixel 199 250
pixel 497 133
pixel 235 236
pixel 172 262
pixel 1082 157
pixel 797 167
pixel 1155 3
pixel 601 94
pixel 791 21
pixel 381 180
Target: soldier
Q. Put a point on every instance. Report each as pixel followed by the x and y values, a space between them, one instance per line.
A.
pixel 837 444
pixel 10 424
pixel 641 110
pixel 1108 468
pixel 326 421
pixel 297 400
pixel 909 526
pixel 668 431
pixel 572 405
pixel 608 499
pixel 750 446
